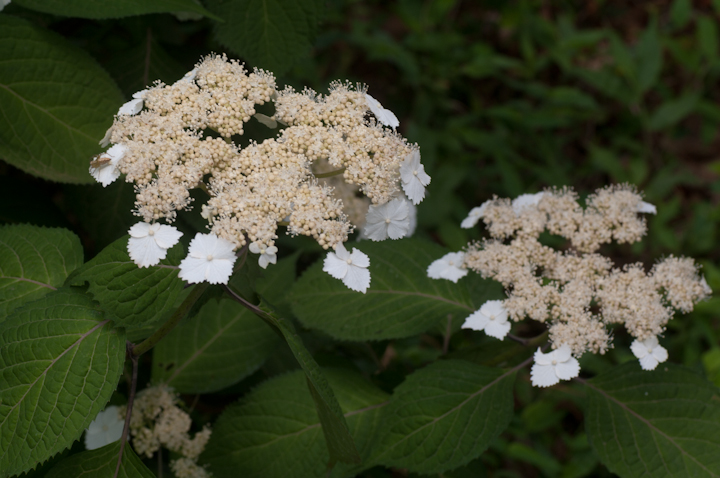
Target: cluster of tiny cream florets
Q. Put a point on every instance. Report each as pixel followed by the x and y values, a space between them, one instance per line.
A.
pixel 577 292
pixel 157 421
pixel 171 139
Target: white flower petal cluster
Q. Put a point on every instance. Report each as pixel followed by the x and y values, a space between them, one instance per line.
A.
pixel 552 367
pixel 149 243
pixel 383 115
pixel 413 177
pixel 134 106
pixel 449 266
pixel 391 219
pixel 492 317
pixel 104 169
pixel 526 201
pixel 210 259
pixel 351 268
pixel 475 215
pixel 268 255
pixel 106 428
pixel 649 352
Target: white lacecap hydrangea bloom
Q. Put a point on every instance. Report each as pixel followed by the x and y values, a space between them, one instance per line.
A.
pixel 649 352
pixel 149 243
pixel 210 259
pixel 492 317
pixel 449 266
pixel 291 180
pixel 106 428
pixel 552 367
pixel 351 268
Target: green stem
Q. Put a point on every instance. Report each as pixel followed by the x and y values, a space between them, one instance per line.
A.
pixel 330 173
pixel 170 324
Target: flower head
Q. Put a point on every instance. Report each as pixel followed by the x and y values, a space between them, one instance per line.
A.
pixel 448 267
pixel 106 428
pixel 134 106
pixel 492 317
pixel 391 219
pixel 351 268
pixel 552 367
pixel 104 169
pixel 649 352
pixel 268 255
pixel 210 259
pixel 148 243
pixel 413 177
pixel 383 115
pixel 475 215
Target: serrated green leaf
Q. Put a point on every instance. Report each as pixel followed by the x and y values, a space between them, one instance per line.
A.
pixel 101 463
pixel 401 301
pixel 60 361
pixel 114 9
pixel 443 416
pixel 55 103
pixel 34 261
pixel 141 65
pixel 132 296
pixel 661 423
pixel 269 34
pixel 218 347
pixel 275 430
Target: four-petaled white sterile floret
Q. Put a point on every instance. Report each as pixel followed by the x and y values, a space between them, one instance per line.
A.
pixel 492 317
pixel 649 352
pixel 149 243
pixel 391 219
pixel 104 169
pixel 552 367
pixel 450 267
pixel 351 268
pixel 414 178
pixel 210 259
pixel 106 428
pixel 268 254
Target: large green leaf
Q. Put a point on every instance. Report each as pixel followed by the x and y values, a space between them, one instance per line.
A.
pixel 101 463
pixel 55 103
pixel 663 423
pixel 443 416
pixel 34 261
pixel 401 301
pixel 216 348
pixel 270 34
pixel 114 9
pixel 132 296
pixel 275 430
pixel 60 361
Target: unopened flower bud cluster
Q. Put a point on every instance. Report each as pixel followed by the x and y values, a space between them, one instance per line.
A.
pixel 157 421
pixel 171 139
pixel 577 292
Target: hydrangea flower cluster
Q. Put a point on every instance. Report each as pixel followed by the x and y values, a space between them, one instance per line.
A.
pixel 156 421
pixel 577 292
pixel 170 139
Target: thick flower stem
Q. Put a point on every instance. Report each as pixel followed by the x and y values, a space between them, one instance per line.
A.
pixel 329 173
pixel 170 324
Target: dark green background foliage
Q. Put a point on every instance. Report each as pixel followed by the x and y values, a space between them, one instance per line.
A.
pixel 504 98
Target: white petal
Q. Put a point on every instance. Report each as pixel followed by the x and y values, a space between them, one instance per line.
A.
pixel 377 231
pixel 660 353
pixel 335 266
pixel 497 328
pixel 646 207
pixel 167 236
pixel 106 428
pixel 132 107
pixel 476 321
pixel 562 353
pixel 383 115
pixel 435 270
pixel 219 271
pixel 254 248
pixel 397 209
pixel 541 358
pixel 266 120
pixel 341 252
pixel 106 139
pixel 526 201
pixel 543 375
pixel 568 369
pixel 357 279
pixel 414 190
pixel 105 174
pixel 474 216
pixel 140 229
pixel 648 362
pixel 638 349
pixel 188 77
pixel 359 258
pixel 145 252
pixel 193 269
pixel 398 229
pixel 705 286
pixel 454 274
pixel 409 165
pixel 495 308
